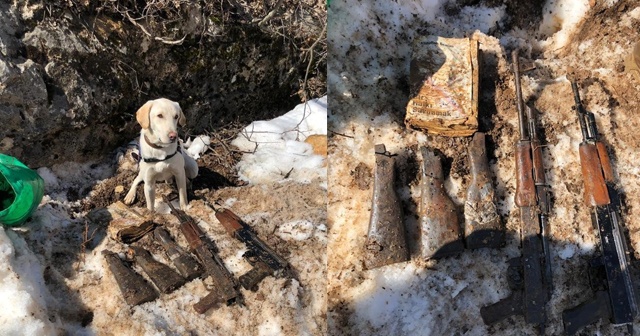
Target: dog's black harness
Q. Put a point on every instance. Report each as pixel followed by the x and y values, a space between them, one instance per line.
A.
pixel 151 160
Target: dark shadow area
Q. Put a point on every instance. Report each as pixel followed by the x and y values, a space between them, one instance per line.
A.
pixel 209 179
pixel 487 97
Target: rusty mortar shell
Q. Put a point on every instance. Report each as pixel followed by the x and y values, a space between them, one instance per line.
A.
pixel 166 279
pixel 134 288
pixel 482 225
pixel 386 240
pixel 441 235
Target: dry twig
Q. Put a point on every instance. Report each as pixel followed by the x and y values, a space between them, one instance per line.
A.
pixel 144 30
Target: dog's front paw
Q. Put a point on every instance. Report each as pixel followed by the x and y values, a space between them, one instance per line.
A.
pixel 129 198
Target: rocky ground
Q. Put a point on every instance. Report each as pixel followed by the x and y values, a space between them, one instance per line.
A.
pixel 585 40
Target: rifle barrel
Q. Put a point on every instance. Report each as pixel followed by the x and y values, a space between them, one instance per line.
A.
pixel 524 134
pixel 580 110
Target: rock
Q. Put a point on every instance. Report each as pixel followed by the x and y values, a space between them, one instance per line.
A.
pixel 10 28
pixel 21 84
pixel 55 39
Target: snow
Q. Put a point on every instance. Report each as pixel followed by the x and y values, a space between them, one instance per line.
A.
pixel 22 285
pixel 276 151
pixel 560 18
pixel 197 146
pixel 567 252
pixel 480 18
pixel 296 230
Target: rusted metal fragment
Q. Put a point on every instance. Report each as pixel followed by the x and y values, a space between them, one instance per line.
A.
pixel 215 299
pixel 439 224
pixel 482 226
pixel 386 240
pixel 134 288
pixel 134 233
pixel 166 279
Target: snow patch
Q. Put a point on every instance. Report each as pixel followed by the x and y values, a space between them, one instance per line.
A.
pixel 296 230
pixel 22 284
pixel 567 252
pixel 51 181
pixel 276 150
pixel 481 18
pixel 560 19
pixel 198 146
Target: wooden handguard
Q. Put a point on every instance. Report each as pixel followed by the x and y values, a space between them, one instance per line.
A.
pixel 538 169
pixel 595 189
pixel 604 162
pixel 525 186
pixel 229 220
pixel 192 233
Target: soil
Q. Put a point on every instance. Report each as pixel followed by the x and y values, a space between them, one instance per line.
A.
pixel 362 176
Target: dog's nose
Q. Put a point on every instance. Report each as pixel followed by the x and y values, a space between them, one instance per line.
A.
pixel 173 136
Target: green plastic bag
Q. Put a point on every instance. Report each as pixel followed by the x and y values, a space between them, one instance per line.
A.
pixel 21 190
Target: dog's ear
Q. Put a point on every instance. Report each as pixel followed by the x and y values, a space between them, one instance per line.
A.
pixel 142 116
pixel 182 120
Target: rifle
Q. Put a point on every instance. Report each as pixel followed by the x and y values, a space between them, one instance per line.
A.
pixel 264 260
pixel 612 281
pixel 225 287
pixel 530 274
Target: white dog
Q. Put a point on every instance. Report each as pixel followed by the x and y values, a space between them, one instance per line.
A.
pixel 161 155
